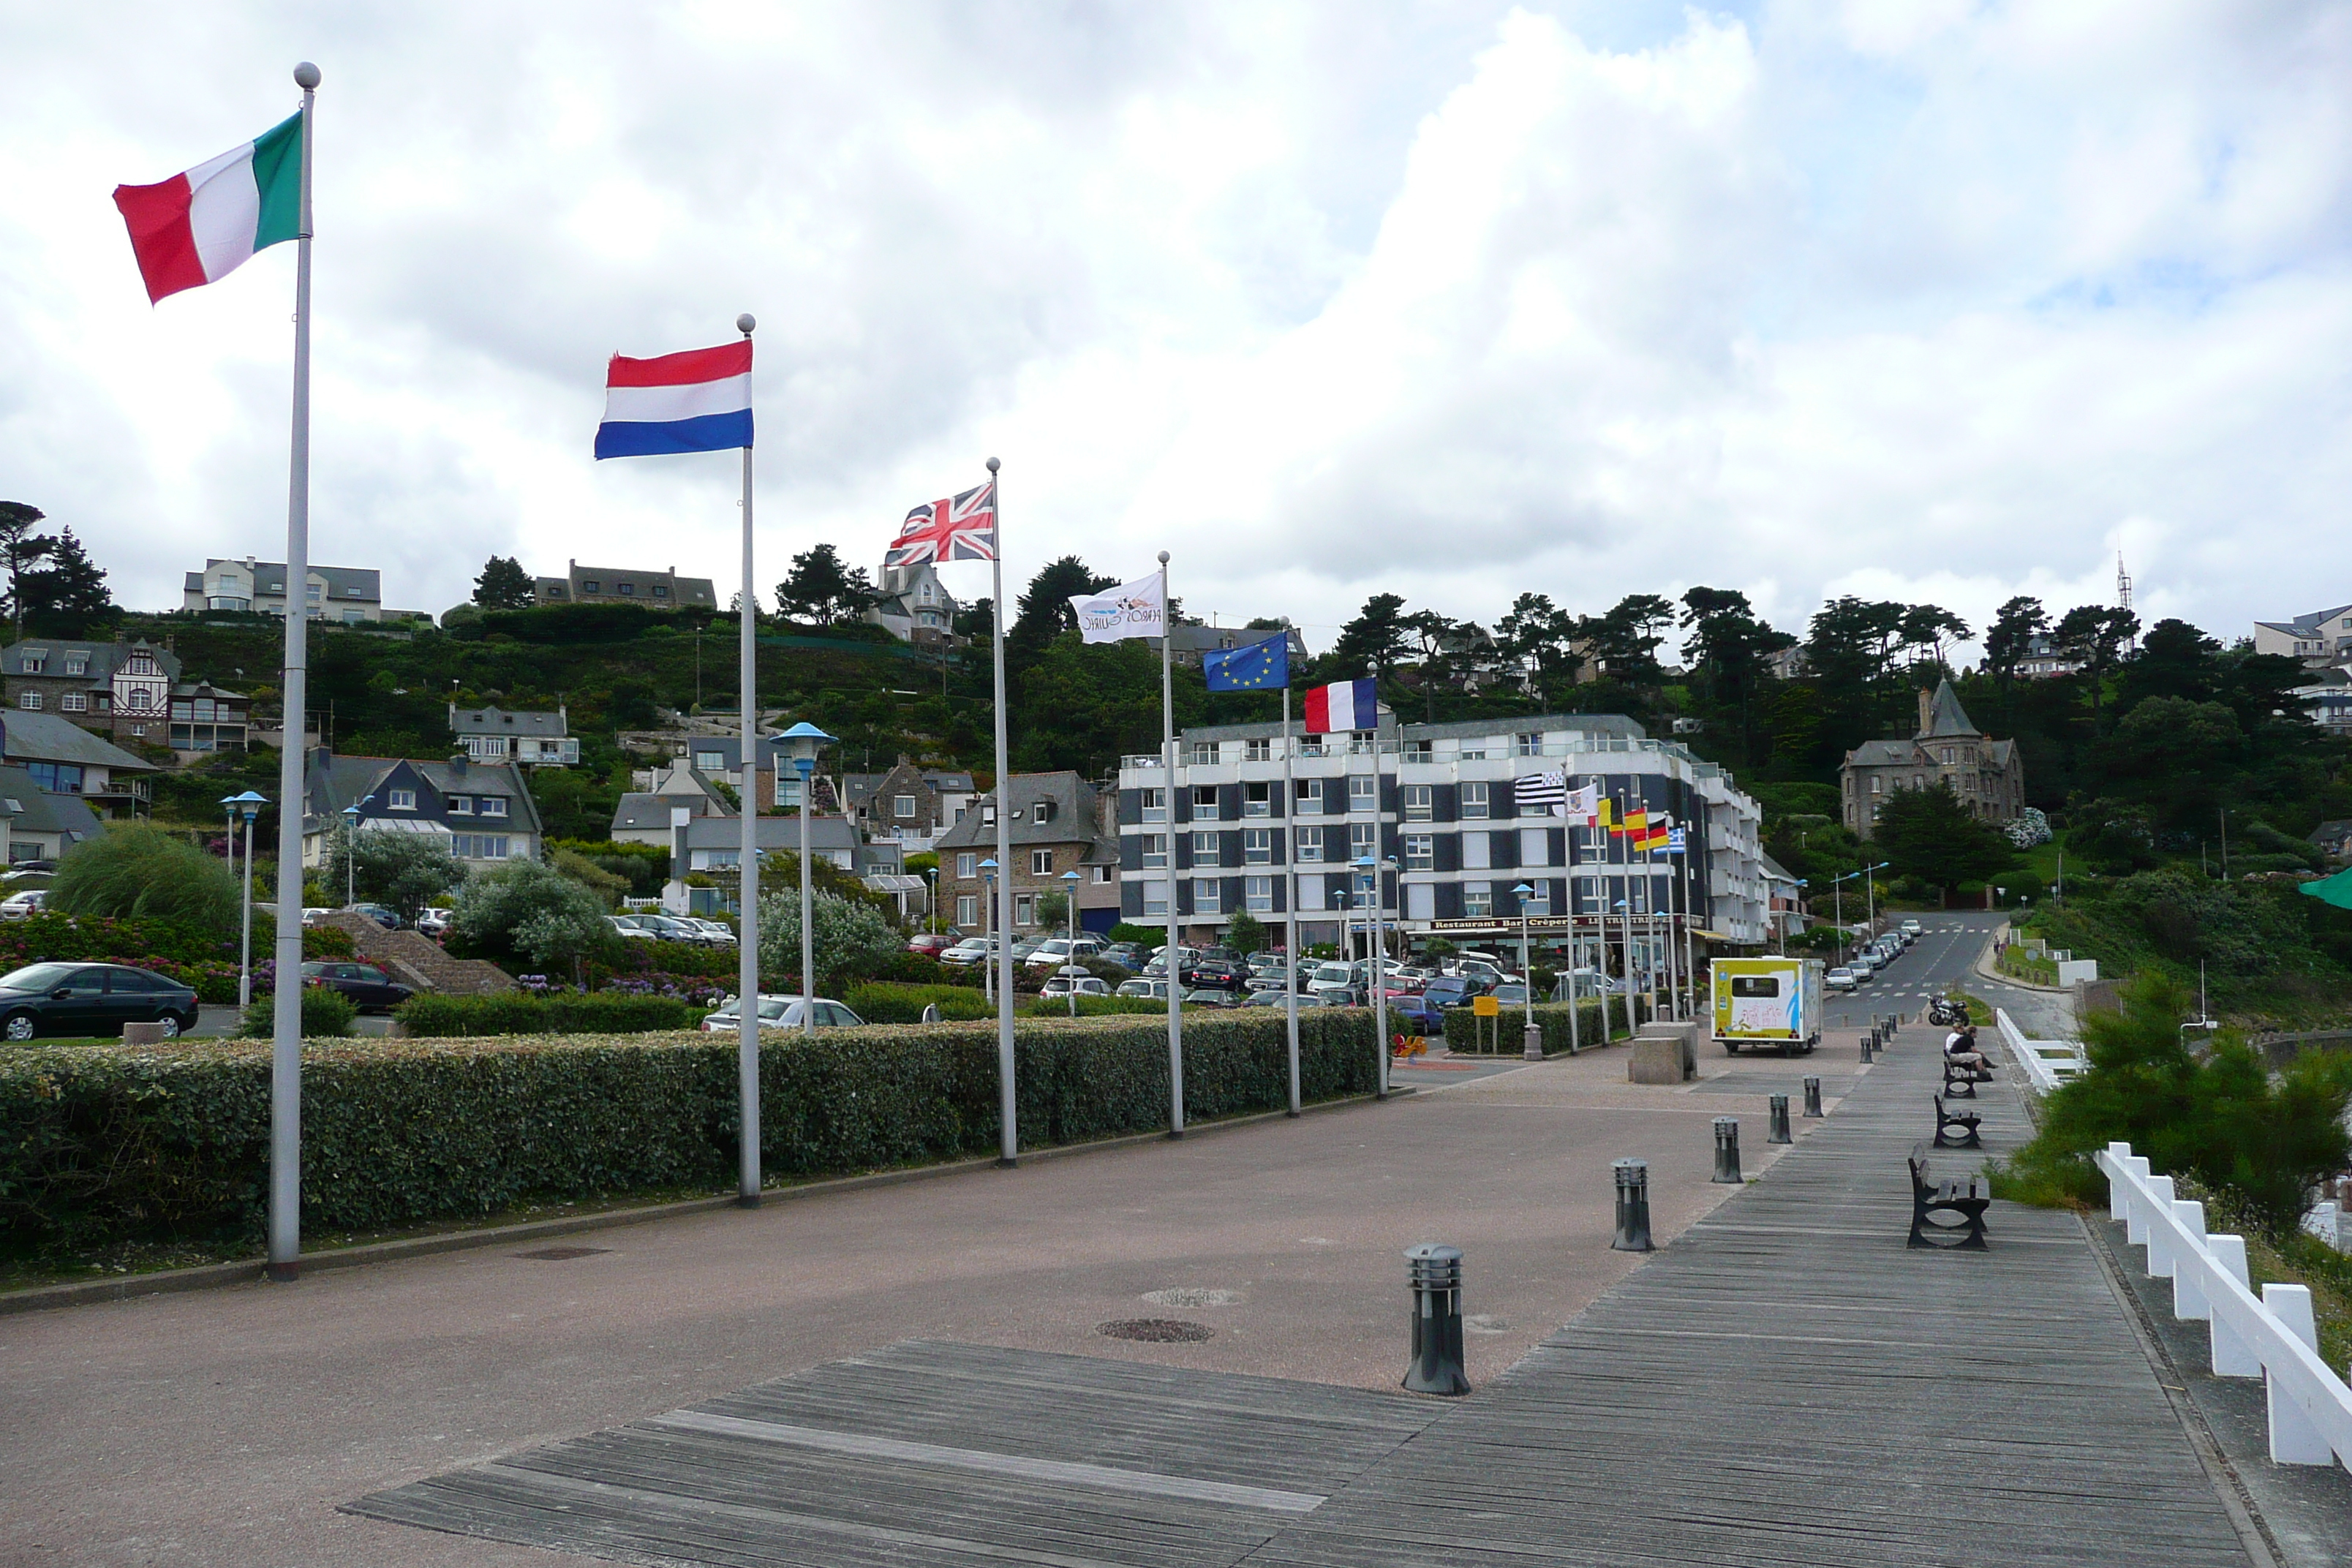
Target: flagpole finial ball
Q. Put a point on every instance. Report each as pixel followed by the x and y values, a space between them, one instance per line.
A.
pixel 306 76
pixel 991 465
pixel 1163 558
pixel 745 322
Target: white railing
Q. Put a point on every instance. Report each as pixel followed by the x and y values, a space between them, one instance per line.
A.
pixel 2048 1063
pixel 2275 1339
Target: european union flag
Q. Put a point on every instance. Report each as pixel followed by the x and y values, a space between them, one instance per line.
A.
pixel 1260 667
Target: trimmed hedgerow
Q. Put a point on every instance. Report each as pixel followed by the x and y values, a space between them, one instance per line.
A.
pixel 1463 1027
pixel 429 1016
pixel 106 1143
pixel 889 1002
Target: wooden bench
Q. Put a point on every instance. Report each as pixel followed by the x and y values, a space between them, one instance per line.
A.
pixel 1967 1121
pixel 1967 1199
pixel 1960 1078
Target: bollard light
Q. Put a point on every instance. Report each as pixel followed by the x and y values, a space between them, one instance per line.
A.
pixel 1812 1096
pixel 1633 1206
pixel 1780 1133
pixel 1435 1276
pixel 1726 1151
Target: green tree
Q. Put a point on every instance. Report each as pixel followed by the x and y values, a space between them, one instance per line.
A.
pixel 1542 634
pixel 853 939
pixel 503 584
pixel 403 870
pixel 1729 648
pixel 1053 910
pixel 1624 639
pixel 1246 934
pixel 63 596
pixel 2095 635
pixel 824 590
pixel 609 888
pixel 1372 643
pixel 1042 612
pixel 21 549
pixel 2010 637
pixel 134 870
pixel 2178 756
pixel 531 912
pixel 1929 834
pixel 2175 660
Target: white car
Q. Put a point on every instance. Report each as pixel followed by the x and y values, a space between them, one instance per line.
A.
pixel 713 932
pixel 1082 984
pixel 1060 950
pixel 970 949
pixel 629 926
pixel 779 1012
pixel 432 922
pixel 17 906
pixel 1911 928
pixel 1840 980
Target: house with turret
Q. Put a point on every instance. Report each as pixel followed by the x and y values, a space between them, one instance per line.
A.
pixel 1988 776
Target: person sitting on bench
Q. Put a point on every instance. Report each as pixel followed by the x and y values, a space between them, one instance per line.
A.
pixel 1960 1050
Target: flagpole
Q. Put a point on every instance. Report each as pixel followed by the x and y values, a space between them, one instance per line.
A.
pixel 1626 832
pixel 1690 956
pixel 746 876
pixel 1289 883
pixel 1567 840
pixel 286 1010
pixel 1008 1150
pixel 1175 965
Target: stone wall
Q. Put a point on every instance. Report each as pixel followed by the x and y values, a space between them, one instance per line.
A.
pixel 418 961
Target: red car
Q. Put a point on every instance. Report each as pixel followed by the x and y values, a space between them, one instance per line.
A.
pixel 931 943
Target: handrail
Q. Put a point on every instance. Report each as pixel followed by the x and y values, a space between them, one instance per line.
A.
pixel 2048 1063
pixel 2274 1338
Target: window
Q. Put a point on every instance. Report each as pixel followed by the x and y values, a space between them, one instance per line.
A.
pixel 902 806
pixel 1025 910
pixel 1257 800
pixel 988 815
pixel 1420 750
pixel 1474 801
pixel 1041 862
pixel 1205 849
pixel 57 778
pixel 1155 851
pixel 79 663
pixel 1100 875
pixel 1757 985
pixel 75 702
pixel 36 660
pixel 926 593
pixel 479 845
pixel 1154 804
pixel 1200 752
pixel 1363 792
pixel 1257 846
pixel 1258 751
pixel 494 805
pixel 1538 903
pixel 661 590
pixel 1360 840
pixel 1420 852
pixel 1155 899
pixel 1204 802
pixel 590 585
pixel 1419 802
pixel 1310 843
pixel 967 910
pixel 461 806
pixel 968 864
pixel 1257 894
pixel 1528 745
pixel 30 702
pixel 1208 897
pixel 402 800
pixel 1359 742
pixel 1473 754
pixel 1042 812
pixel 1874 784
pixel 1310 795
pixel 1477 851
pixel 1478 898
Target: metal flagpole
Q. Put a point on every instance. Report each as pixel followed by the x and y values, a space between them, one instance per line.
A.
pixel 1567 842
pixel 747 875
pixel 1632 1025
pixel 1008 1150
pixel 1380 941
pixel 1289 884
pixel 1690 955
pixel 1175 965
pixel 286 1012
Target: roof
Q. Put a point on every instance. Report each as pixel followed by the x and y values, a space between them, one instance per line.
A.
pixel 36 810
pixel 825 833
pixel 269 577
pixel 331 782
pixel 47 738
pixel 1884 754
pixel 1073 821
pixel 501 721
pixel 2307 625
pixel 1776 872
pixel 1945 716
pixel 104 657
pixel 650 812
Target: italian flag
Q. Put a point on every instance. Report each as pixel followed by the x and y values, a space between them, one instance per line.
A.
pixel 200 226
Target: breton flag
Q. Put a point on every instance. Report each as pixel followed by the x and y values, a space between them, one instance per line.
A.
pixel 699 401
pixel 961 528
pixel 1114 614
pixel 1582 806
pixel 1545 791
pixel 1349 705
pixel 199 226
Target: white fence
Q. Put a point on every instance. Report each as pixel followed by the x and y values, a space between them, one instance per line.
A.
pixel 2274 1338
pixel 2048 1063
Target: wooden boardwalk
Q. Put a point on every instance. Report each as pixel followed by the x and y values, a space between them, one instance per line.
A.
pixel 1787 1384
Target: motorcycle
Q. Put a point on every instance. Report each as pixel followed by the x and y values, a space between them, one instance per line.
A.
pixel 1946 1013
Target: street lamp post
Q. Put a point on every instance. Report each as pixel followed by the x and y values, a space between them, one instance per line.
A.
pixel 351 855
pixel 1870 891
pixel 988 928
pixel 1369 870
pixel 248 806
pixel 1070 897
pixel 1523 892
pixel 931 898
pixel 801 743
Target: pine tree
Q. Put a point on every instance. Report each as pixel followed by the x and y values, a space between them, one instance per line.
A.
pixel 69 592
pixel 21 549
pixel 503 584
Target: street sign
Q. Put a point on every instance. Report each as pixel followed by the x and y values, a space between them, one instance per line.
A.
pixel 1486 1007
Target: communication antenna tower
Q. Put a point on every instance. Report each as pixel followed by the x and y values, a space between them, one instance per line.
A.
pixel 2124 599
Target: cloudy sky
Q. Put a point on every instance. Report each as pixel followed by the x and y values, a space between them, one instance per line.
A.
pixel 1922 298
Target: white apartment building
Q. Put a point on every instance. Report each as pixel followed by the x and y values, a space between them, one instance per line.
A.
pixel 1440 800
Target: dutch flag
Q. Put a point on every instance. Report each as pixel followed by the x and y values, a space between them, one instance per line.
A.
pixel 1349 705
pixel 699 401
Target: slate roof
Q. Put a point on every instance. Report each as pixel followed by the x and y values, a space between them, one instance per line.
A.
pixel 1074 820
pixel 826 834
pixel 1946 716
pixel 269 577
pixel 104 658
pixel 2308 625
pixel 40 811
pixel 503 722
pixel 331 782
pixel 48 738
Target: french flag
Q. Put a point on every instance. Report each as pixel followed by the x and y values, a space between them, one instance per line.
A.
pixel 699 401
pixel 1349 705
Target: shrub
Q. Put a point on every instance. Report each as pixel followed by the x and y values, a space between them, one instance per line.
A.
pixel 883 1001
pixel 402 871
pixel 133 870
pixel 853 939
pixel 527 911
pixel 1150 936
pixel 327 1013
pixel 562 1013
pixel 110 1142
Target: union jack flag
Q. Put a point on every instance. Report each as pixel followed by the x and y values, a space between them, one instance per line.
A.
pixel 961 528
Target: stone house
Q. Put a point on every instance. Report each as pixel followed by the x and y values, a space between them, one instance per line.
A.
pixel 1988 776
pixel 1059 823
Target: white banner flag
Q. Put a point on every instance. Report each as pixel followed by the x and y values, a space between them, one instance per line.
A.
pixel 1582 805
pixel 1130 610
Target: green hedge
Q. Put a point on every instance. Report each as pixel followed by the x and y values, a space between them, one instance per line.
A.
pixel 1463 1027
pixel 438 1017
pixel 326 1012
pixel 108 1142
pixel 889 1002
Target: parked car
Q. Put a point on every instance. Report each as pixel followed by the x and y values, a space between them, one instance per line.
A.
pixel 631 926
pixel 969 950
pixel 313 915
pixel 1023 946
pixel 1215 975
pixel 1840 980
pixel 1083 983
pixel 382 914
pixel 1061 949
pixel 1153 988
pixel 1411 1013
pixel 1449 991
pixel 23 869
pixel 18 906
pixel 718 933
pixel 90 999
pixel 1204 996
pixel 1510 994
pixel 1128 955
pixel 433 922
pixel 365 984
pixel 930 943
pixel 779 1012
pixel 1911 928
pixel 1329 978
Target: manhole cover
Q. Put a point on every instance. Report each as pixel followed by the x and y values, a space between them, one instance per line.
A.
pixel 563 1254
pixel 1156 1330
pixel 1193 1295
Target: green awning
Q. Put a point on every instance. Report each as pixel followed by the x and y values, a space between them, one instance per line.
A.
pixel 2336 889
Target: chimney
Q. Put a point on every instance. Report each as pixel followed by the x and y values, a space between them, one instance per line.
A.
pixel 1927 708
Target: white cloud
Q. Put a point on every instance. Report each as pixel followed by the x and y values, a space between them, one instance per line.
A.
pixel 1459 300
